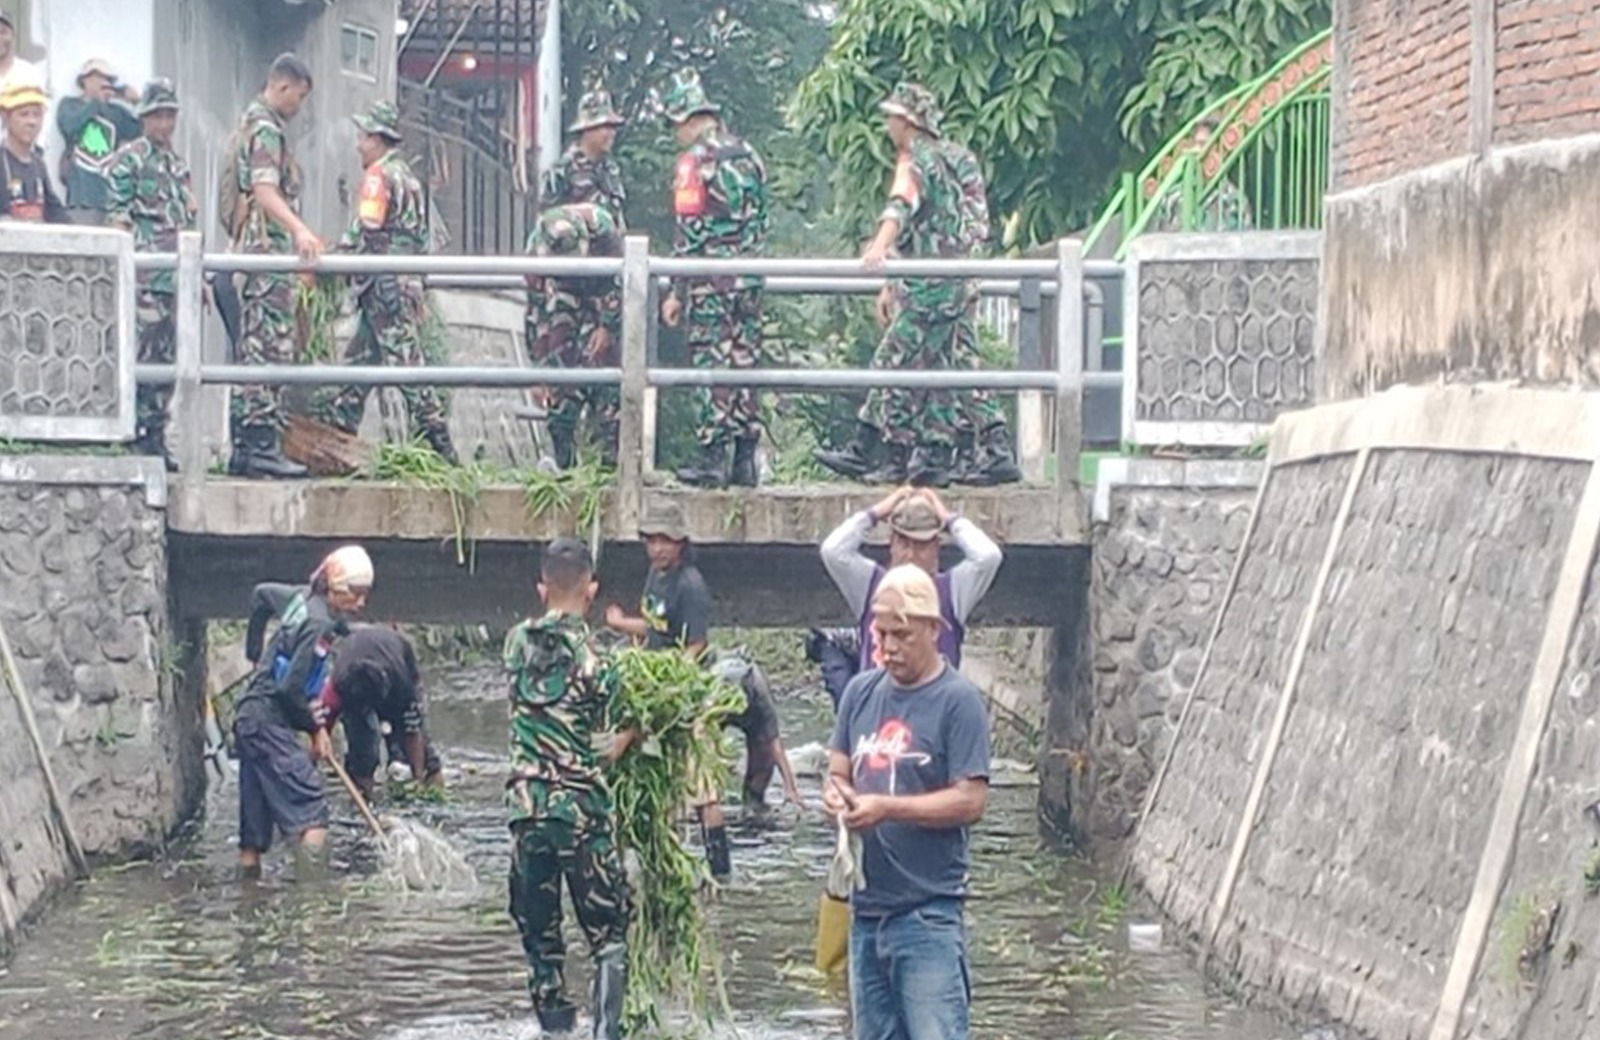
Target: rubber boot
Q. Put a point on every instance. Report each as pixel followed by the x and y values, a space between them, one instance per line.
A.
pixel 744 472
pixel 557 1020
pixel 564 443
pixel 930 466
pixel 610 988
pixel 966 462
pixel 717 854
pixel 440 441
pixel 256 454
pixel 893 470
pixel 712 471
pixel 153 442
pixel 997 462
pixel 609 433
pixel 855 458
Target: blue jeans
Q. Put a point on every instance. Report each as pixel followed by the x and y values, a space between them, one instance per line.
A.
pixel 909 977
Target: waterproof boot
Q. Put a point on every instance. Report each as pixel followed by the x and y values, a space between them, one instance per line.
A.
pixel 712 471
pixel 440 441
pixel 997 461
pixel 893 470
pixel 609 433
pixel 153 442
pixel 256 454
pixel 744 472
pixel 966 463
pixel 717 855
pixel 564 442
pixel 557 1020
pixel 855 458
pixel 930 466
pixel 610 987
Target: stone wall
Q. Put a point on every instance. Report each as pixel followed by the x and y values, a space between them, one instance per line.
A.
pixel 83 554
pixel 1373 811
pixel 1165 539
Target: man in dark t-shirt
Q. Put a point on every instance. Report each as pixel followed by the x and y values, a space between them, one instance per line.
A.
pixel 376 681
pixel 26 193
pixel 675 614
pixel 908 770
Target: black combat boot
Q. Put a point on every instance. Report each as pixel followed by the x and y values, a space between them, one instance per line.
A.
pixel 744 472
pixel 855 458
pixel 717 854
pixel 609 435
pixel 558 1020
pixel 996 463
pixel 152 441
pixel 439 441
pixel 610 987
pixel 893 470
pixel 966 463
pixel 712 471
pixel 564 443
pixel 930 466
pixel 256 454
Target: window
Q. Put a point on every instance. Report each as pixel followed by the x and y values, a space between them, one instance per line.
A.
pixel 358 51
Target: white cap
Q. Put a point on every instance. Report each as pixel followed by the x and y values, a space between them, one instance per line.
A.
pixel 346 568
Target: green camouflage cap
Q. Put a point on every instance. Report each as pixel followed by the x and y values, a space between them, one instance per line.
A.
pixel 595 109
pixel 685 96
pixel 664 517
pixel 579 228
pixel 917 104
pixel 159 96
pixel 381 119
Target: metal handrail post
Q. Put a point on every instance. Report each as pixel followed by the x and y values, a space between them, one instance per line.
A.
pixel 631 437
pixel 652 395
pixel 1069 378
pixel 1032 441
pixel 187 397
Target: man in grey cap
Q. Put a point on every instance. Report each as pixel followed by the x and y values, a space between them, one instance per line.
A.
pixel 675 613
pixel 94 125
pixel 917 519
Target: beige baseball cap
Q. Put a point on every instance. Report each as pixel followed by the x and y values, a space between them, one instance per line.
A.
pixel 907 592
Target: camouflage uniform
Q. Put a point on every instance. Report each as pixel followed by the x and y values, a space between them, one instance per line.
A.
pixel 578 178
pixel 150 195
pixel 561 810
pixel 267 301
pixel 391 220
pixel 720 202
pixel 1227 209
pixel 565 313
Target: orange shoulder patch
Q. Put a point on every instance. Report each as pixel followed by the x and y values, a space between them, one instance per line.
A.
pixel 373 206
pixel 689 188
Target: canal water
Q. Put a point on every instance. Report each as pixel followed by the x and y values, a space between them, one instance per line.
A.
pixel 178 948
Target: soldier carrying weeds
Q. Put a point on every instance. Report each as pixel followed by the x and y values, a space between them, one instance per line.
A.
pixel 563 697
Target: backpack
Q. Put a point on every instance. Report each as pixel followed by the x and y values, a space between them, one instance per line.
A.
pixel 233 205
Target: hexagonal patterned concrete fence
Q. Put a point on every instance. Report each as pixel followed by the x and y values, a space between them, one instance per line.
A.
pixel 67 342
pixel 1221 335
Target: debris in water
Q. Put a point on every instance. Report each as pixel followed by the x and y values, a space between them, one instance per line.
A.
pixel 423 860
pixel 1144 938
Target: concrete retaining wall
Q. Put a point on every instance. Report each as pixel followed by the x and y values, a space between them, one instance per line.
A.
pixel 1395 675
pixel 83 555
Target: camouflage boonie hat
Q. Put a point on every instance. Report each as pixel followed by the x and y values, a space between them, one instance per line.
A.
pixel 595 109
pixel 685 96
pixel 917 104
pixel 581 229
pixel 159 96
pixel 381 119
pixel 664 518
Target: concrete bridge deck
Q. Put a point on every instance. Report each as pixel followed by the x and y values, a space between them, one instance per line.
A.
pixel 758 550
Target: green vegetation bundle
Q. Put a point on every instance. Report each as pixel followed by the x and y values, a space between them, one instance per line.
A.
pixel 680 708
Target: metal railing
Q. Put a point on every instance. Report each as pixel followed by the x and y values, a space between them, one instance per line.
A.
pixel 1043 431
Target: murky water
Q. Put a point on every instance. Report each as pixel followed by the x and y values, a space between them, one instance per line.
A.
pixel 178 948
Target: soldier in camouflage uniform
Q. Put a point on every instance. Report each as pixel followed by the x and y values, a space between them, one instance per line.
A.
pixel 563 695
pixel 924 217
pixel 1226 210
pixel 576 323
pixel 391 220
pixel 150 195
pixel 587 172
pixel 720 201
pixel 267 179
pixel 984 453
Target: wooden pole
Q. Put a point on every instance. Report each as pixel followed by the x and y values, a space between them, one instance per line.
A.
pixel 20 694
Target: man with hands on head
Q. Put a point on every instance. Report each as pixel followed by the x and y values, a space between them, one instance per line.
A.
pixel 908 771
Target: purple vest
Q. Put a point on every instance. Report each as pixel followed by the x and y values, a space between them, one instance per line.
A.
pixel 950 636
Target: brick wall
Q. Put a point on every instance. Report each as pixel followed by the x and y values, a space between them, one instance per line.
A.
pixel 1547 69
pixel 1401 86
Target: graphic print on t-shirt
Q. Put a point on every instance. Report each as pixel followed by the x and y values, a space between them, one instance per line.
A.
pixel 883 751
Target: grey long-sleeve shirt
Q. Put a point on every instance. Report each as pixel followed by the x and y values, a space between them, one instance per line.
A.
pixel 852 571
